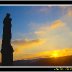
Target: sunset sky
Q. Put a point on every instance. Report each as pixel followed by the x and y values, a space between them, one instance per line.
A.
pixel 39 31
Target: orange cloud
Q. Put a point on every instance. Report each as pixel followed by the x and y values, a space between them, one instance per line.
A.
pixel 54 53
pixel 27 43
pixel 21 45
pixel 56 24
pixel 46 28
pixel 51 53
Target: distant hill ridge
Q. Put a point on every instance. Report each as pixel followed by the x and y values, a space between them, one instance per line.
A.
pixel 59 61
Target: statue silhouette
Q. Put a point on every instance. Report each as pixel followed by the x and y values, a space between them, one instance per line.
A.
pixel 7 50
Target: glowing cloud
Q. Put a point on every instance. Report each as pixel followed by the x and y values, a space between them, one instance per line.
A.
pixel 21 45
pixel 27 43
pixel 57 24
pixel 54 53
pixel 46 28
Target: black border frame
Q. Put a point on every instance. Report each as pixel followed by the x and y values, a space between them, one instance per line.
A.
pixel 35 69
pixel 35 2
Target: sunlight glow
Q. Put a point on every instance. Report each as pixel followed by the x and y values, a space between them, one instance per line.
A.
pixel 55 54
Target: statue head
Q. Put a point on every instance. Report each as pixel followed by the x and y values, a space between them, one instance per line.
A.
pixel 8 14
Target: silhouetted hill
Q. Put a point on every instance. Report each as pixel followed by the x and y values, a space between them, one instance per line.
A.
pixel 60 61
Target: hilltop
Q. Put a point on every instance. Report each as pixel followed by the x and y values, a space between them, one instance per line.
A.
pixel 59 61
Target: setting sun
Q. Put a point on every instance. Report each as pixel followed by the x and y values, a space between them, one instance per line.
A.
pixel 55 54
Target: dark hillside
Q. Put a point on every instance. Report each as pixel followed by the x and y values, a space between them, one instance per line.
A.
pixel 60 61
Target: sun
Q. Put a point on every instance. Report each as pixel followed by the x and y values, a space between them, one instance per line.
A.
pixel 55 54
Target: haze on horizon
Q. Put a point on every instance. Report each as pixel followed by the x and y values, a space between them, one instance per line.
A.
pixel 39 31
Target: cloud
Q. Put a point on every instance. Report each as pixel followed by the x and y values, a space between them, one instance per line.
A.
pixel 23 48
pixel 45 9
pixel 48 27
pixel 58 33
pixel 21 45
pixel 56 24
pixel 60 52
pixel 48 8
pixel 40 32
pixel 51 53
pixel 25 42
pixel 62 7
pixel 41 9
pixel 66 9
